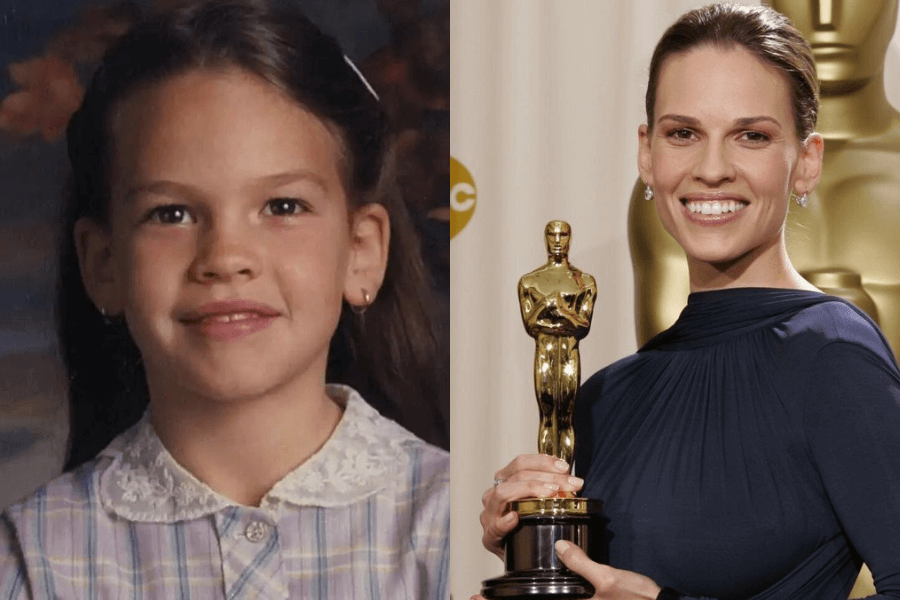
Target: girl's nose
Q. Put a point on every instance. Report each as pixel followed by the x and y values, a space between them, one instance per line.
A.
pixel 225 253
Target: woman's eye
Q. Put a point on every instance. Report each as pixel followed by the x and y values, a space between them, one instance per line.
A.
pixel 681 134
pixel 281 207
pixel 170 214
pixel 755 136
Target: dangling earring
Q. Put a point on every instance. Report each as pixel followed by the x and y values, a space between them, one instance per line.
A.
pixel 367 301
pixel 648 192
pixel 803 200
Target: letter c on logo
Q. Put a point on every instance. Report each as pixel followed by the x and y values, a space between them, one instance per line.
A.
pixel 463 196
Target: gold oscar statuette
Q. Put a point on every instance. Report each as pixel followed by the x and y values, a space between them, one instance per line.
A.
pixel 556 301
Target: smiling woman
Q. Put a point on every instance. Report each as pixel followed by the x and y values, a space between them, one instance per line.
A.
pixel 231 216
pixel 749 451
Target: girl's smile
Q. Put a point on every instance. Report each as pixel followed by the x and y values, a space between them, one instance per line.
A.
pixel 230 319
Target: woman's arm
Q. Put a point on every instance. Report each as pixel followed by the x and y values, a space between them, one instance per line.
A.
pixel 852 421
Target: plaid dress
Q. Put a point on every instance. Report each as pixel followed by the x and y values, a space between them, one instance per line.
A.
pixel 365 517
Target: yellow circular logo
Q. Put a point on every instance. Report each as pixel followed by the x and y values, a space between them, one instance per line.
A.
pixel 462 196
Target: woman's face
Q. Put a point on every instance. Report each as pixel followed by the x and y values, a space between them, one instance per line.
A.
pixel 230 244
pixel 723 155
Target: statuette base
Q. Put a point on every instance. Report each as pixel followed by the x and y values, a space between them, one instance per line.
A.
pixel 533 570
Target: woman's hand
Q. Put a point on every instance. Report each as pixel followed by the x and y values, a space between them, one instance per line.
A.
pixel 527 476
pixel 609 583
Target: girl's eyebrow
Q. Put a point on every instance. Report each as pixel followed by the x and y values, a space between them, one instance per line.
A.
pixel 291 176
pixel 742 122
pixel 162 187
pixel 165 187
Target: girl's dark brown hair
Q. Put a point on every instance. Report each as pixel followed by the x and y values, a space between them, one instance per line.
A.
pixel 764 32
pixel 392 355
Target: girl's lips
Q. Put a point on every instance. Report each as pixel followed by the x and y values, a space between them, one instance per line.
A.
pixel 230 327
pixel 228 307
pixel 229 320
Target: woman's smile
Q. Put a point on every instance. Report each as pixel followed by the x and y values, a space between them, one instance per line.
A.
pixel 713 209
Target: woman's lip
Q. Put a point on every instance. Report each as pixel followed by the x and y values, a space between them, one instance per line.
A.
pixel 712 220
pixel 712 198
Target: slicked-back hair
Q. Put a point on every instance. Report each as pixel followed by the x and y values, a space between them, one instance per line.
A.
pixel 764 32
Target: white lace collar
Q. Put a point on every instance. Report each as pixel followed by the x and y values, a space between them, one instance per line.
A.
pixel 363 455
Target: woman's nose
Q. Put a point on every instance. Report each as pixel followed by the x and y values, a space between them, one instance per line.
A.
pixel 225 252
pixel 713 165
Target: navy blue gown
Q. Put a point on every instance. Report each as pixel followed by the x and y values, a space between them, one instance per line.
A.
pixel 750 451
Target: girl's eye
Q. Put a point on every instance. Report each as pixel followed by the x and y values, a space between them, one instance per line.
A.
pixel 284 207
pixel 170 214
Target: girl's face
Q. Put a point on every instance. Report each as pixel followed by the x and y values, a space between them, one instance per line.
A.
pixel 230 245
pixel 723 155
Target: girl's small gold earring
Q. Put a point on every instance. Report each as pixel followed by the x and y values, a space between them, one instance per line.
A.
pixel 107 320
pixel 367 301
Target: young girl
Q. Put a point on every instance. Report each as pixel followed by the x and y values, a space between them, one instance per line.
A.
pixel 231 243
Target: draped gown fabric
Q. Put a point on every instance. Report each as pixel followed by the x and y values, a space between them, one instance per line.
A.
pixel 750 451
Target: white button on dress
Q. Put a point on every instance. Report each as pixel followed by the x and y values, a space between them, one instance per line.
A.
pixel 256 531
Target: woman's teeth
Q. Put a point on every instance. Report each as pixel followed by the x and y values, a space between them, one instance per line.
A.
pixel 715 207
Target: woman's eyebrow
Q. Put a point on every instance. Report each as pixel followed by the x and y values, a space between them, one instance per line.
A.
pixel 747 121
pixel 680 119
pixel 742 122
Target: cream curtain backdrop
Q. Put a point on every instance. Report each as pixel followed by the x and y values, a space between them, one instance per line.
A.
pixel 546 98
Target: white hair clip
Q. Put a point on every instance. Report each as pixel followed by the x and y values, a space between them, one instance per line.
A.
pixel 361 77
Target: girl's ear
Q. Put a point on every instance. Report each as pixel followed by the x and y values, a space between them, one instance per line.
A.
pixel 370 236
pixel 93 244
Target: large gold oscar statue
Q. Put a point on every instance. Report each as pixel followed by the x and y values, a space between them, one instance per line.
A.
pixel 845 242
pixel 557 301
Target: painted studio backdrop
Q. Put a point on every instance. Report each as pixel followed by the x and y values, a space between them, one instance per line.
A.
pixel 547 96
pixel 48 49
